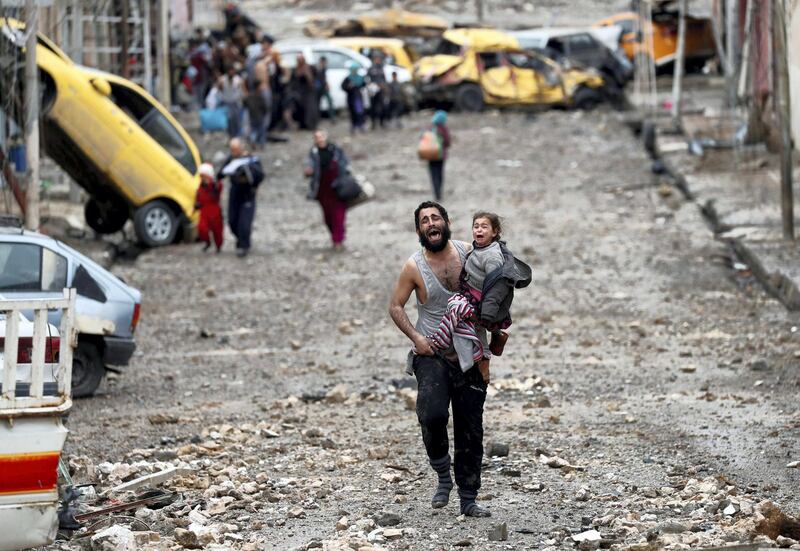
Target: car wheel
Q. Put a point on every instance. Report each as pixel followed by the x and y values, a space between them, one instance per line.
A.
pixel 105 217
pixel 155 224
pixel 469 97
pixel 587 98
pixel 87 370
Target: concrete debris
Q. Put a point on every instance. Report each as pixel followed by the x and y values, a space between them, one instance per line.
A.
pixel 498 532
pixel 114 538
pixel 150 480
pixel 588 535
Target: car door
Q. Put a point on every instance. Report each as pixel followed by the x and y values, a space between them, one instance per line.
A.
pixel 497 76
pixel 537 80
pixel 157 156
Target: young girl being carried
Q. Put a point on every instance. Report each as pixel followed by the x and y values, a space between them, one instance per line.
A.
pixel 488 279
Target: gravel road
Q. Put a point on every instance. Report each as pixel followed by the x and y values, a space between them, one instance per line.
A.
pixel 639 368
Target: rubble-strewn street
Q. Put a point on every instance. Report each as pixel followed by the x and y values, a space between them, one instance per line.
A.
pixel 647 397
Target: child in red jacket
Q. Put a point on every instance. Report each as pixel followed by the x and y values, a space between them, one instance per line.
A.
pixel 207 202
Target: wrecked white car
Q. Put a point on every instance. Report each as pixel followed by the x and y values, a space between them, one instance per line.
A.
pixel 33 265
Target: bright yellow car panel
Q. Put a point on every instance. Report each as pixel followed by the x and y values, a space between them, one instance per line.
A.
pixel 481 39
pixel 395 22
pixel 393 48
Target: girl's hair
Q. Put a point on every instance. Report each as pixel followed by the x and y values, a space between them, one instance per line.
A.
pixel 494 220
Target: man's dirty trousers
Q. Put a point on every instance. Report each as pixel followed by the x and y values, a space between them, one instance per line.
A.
pixel 241 211
pixel 440 383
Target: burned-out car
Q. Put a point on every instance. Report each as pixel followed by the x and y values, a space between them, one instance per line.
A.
pixel 474 68
pixel 597 48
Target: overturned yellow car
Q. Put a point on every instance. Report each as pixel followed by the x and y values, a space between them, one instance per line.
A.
pixel 474 68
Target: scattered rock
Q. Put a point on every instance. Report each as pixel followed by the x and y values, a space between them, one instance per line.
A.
pixel 337 395
pixel 498 532
pixel 588 535
pixel 163 419
pixel 393 533
pixel 498 449
pixel 117 537
pixel 388 518
pixel 186 538
pixel 297 512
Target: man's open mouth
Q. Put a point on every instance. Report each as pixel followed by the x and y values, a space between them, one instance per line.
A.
pixel 434 234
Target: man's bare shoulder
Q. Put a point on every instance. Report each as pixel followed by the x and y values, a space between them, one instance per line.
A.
pixel 410 268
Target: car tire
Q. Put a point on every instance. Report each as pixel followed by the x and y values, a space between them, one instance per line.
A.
pixel 469 97
pixel 87 370
pixel 105 217
pixel 587 98
pixel 155 223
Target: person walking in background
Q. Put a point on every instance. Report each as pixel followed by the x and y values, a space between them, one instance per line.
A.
pixel 436 167
pixel 263 72
pixel 323 89
pixel 306 104
pixel 257 111
pixel 207 202
pixel 395 100
pixel 232 91
pixel 353 85
pixel 377 88
pixel 326 161
pixel 245 173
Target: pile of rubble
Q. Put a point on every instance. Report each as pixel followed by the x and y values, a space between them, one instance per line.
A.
pixel 231 486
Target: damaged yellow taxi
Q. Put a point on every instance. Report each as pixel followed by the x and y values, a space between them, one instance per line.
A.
pixel 474 68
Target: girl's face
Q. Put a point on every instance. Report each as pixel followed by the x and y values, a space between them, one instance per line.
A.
pixel 483 233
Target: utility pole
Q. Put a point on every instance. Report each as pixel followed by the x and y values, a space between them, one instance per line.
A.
pixel 124 68
pixel 162 57
pixel 32 115
pixel 780 72
pixel 732 47
pixel 479 10
pixel 677 77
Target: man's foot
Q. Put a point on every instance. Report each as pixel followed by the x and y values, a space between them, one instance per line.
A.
pixel 441 496
pixel 206 246
pixel 338 247
pixel 472 509
pixel 219 249
pixel 498 343
pixel 469 507
pixel 241 253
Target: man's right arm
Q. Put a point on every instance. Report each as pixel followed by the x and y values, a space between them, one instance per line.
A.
pixel 405 286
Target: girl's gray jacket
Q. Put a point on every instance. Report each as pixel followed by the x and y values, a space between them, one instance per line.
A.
pixel 313 161
pixel 498 288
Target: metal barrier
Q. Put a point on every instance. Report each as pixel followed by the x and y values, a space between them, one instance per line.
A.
pixel 36 402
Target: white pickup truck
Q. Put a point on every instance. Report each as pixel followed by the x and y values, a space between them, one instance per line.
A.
pixel 35 373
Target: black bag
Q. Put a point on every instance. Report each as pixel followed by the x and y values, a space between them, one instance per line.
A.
pixel 250 173
pixel 346 187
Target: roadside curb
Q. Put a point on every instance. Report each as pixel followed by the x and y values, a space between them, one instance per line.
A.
pixel 776 283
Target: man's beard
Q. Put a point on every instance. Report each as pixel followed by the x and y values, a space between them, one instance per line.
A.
pixel 438 247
